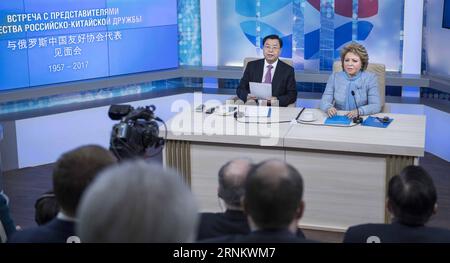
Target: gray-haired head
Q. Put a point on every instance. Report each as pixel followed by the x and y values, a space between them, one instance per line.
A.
pixel 137 202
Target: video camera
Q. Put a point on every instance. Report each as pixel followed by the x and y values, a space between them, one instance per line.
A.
pixel 137 130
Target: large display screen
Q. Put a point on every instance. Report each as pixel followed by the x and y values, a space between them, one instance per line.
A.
pixel 313 31
pixel 51 41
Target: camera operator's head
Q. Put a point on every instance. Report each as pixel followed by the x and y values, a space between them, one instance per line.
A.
pixel 73 172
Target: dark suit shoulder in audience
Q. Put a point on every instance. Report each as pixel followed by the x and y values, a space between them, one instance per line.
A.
pixel 220 224
pixel 5 218
pixel 272 236
pixel 396 233
pixel 232 222
pixel 55 231
pixel 261 236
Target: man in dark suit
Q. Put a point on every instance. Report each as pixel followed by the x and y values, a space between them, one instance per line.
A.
pixel 411 200
pixel 232 178
pixel 73 172
pixel 273 204
pixel 270 70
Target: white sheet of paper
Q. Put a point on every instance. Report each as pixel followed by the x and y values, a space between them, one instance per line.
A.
pixel 261 90
pixel 257 111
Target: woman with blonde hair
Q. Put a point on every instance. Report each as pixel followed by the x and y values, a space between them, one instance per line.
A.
pixel 353 84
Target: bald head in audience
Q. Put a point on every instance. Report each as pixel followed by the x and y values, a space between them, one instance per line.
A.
pixel 232 177
pixel 137 202
pixel 273 196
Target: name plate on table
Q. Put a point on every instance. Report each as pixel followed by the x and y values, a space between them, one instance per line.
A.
pixel 252 111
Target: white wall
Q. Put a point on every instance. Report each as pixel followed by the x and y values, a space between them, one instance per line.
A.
pixel 412 36
pixel 437 135
pixel 208 14
pixel 412 43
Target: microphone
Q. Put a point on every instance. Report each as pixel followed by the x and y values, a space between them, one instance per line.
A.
pixel 238 114
pixel 358 118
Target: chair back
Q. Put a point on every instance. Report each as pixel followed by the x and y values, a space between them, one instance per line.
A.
pixel 380 71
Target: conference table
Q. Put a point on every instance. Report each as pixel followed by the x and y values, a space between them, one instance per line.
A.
pixel 345 168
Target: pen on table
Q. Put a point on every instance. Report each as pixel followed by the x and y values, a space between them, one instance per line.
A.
pixel 300 113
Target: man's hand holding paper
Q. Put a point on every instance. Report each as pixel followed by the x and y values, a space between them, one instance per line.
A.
pixel 261 90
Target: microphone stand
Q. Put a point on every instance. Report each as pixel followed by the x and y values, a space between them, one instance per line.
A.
pixel 358 118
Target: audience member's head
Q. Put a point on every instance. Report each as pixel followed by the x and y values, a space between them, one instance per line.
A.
pixel 137 202
pixel 74 171
pixel 273 196
pixel 412 196
pixel 46 208
pixel 232 177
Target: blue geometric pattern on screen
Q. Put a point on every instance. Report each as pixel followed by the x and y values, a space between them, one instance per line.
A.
pixel 345 33
pixel 342 35
pixel 248 7
pixel 255 28
pixel 326 52
pixel 350 31
pixel 265 29
pixel 353 30
pixel 189 33
pixel 298 34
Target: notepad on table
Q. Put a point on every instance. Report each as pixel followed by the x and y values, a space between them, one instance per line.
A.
pixel 338 120
pixel 257 111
